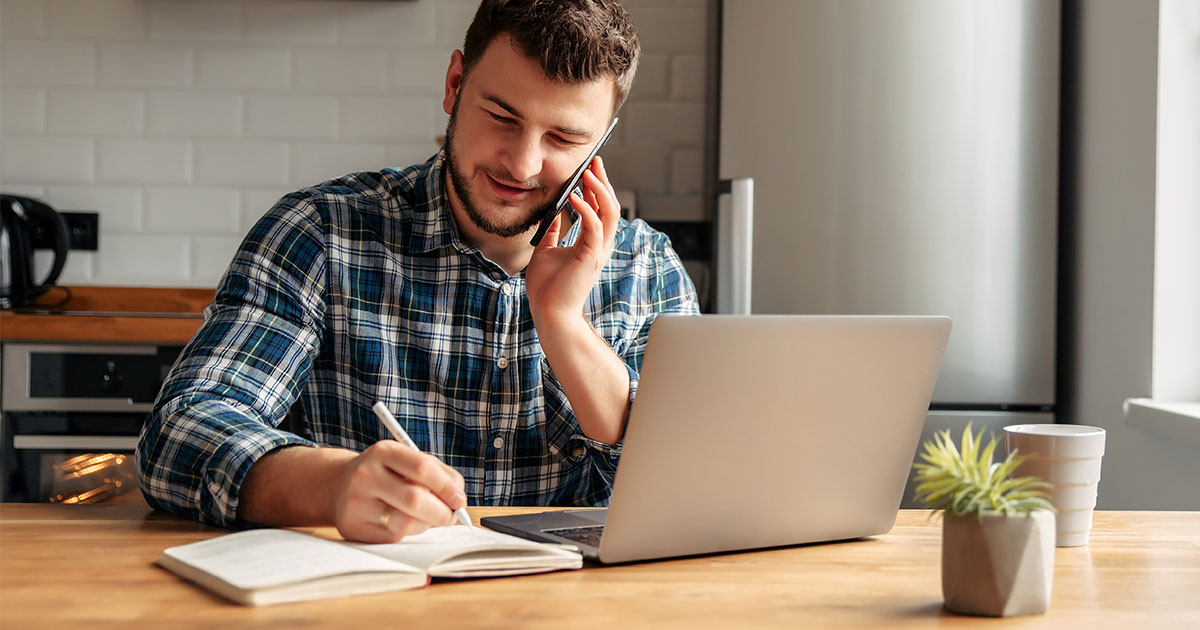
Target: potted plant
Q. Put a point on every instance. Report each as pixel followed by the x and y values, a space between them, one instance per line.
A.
pixel 998 531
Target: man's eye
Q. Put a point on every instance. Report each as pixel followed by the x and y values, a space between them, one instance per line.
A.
pixel 499 118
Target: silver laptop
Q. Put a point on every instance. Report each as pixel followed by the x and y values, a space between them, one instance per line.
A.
pixel 760 431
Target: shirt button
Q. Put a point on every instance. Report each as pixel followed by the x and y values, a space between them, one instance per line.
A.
pixel 502 362
pixel 498 442
pixel 508 288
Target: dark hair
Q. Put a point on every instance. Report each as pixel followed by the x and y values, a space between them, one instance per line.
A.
pixel 573 40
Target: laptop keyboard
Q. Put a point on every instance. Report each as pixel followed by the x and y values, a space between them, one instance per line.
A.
pixel 587 534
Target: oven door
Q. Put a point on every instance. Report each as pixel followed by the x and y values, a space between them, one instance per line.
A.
pixel 71 417
pixel 76 458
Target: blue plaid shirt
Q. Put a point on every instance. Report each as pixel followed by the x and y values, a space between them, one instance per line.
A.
pixel 361 289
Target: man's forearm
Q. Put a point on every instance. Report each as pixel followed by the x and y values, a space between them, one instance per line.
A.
pixel 293 486
pixel 593 377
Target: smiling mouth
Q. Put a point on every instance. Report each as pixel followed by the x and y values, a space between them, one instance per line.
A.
pixel 509 192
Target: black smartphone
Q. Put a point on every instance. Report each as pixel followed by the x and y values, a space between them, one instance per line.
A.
pixel 571 187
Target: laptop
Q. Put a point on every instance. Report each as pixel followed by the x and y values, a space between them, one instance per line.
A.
pixel 760 431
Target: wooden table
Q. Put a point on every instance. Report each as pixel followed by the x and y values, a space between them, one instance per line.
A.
pixel 91 567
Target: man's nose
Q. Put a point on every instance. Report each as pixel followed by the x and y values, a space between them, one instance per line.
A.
pixel 524 157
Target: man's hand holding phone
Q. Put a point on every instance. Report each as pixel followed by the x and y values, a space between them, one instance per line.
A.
pixel 559 279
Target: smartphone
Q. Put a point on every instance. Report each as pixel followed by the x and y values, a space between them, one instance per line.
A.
pixel 572 187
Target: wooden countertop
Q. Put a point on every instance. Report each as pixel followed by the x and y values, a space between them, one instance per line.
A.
pixel 110 314
pixel 91 566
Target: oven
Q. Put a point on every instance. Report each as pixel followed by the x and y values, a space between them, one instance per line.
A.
pixel 70 415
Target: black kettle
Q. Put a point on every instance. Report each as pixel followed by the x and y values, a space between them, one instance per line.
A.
pixel 28 224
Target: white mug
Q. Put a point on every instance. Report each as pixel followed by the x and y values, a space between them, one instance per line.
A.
pixel 1068 457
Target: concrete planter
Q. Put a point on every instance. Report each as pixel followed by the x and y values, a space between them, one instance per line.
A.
pixel 997 565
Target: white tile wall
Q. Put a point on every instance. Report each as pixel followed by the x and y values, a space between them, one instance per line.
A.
pixel 46 159
pixel 211 20
pixel 341 71
pixel 687 78
pixel 47 62
pixel 146 64
pixel 407 24
pixel 144 161
pixel 182 122
pixel 121 206
pixel 149 259
pixel 285 117
pixel 241 162
pixel 22 110
pixel 94 112
pixel 192 210
pixel 250 68
pixel 194 114
pixel 366 118
pixel 22 17
pixel 116 19
pixel 290 21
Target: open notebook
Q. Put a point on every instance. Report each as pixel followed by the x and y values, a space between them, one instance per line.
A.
pixel 272 566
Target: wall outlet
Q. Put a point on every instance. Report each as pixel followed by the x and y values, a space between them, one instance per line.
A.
pixel 84 230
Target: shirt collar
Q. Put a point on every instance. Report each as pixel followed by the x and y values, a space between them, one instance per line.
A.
pixel 432 224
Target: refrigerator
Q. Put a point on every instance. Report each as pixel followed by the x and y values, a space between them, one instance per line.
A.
pixel 901 157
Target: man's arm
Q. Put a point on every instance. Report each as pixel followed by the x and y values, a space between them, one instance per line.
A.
pixel 592 376
pixel 558 281
pixel 210 449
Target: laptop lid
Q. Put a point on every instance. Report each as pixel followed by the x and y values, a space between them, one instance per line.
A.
pixel 761 431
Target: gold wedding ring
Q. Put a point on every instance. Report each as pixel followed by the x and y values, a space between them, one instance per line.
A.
pixel 385 517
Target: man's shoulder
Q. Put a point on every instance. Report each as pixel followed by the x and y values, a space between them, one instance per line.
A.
pixel 388 189
pixel 636 239
pixel 389 195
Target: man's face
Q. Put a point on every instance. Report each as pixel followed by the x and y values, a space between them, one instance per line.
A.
pixel 515 137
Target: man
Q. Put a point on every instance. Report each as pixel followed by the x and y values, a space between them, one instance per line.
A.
pixel 512 367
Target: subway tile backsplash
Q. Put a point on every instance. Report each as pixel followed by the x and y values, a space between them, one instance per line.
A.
pixel 181 122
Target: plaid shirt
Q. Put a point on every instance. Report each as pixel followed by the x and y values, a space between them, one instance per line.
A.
pixel 361 289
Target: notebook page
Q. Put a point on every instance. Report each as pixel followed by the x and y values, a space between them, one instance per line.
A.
pixel 269 557
pixel 502 551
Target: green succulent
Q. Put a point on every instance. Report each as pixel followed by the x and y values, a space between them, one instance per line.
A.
pixel 967 481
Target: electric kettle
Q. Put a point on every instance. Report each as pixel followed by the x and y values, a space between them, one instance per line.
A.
pixel 28 224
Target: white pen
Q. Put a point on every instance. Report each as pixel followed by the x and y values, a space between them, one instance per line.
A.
pixel 401 436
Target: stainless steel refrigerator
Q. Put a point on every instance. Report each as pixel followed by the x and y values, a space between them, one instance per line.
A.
pixel 904 158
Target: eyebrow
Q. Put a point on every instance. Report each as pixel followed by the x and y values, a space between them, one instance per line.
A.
pixel 584 135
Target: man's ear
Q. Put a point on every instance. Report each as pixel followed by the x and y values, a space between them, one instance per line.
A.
pixel 454 78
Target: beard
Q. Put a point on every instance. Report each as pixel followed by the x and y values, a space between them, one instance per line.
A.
pixel 461 182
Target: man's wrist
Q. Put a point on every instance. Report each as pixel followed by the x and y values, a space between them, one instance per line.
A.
pixel 293 485
pixel 551 329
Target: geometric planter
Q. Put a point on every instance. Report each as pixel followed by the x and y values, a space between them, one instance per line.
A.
pixel 998 565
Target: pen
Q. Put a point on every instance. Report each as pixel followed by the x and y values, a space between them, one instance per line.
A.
pixel 401 436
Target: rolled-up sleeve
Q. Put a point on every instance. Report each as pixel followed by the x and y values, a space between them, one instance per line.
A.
pixel 220 404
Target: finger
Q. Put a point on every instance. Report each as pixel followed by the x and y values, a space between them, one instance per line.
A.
pixel 589 195
pixel 607 207
pixel 414 508
pixel 396 523
pixel 456 489
pixel 591 232
pixel 598 168
pixel 550 239
pixel 424 470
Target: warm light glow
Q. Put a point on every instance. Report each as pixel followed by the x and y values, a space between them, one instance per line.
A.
pixel 104 472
